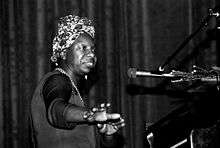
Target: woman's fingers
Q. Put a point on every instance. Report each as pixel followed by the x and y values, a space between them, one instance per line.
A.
pixel 113 116
pixel 104 106
pixel 101 114
pixel 119 124
pixel 103 128
pixel 111 128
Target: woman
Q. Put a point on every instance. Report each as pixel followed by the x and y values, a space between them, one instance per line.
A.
pixel 59 113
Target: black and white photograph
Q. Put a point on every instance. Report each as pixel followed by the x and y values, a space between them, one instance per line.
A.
pixel 109 74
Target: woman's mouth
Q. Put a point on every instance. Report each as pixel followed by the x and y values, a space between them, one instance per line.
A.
pixel 88 62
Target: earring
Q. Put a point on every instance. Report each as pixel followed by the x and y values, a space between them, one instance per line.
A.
pixel 86 77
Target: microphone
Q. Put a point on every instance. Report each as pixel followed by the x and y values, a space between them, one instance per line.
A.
pixel 133 73
pixel 215 11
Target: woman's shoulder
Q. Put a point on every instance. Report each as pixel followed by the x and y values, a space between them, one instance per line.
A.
pixel 57 77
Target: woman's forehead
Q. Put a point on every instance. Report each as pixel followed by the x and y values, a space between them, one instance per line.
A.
pixel 86 39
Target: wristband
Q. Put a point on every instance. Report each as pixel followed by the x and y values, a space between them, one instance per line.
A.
pixel 89 116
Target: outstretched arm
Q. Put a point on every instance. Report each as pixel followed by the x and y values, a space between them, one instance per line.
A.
pixel 62 114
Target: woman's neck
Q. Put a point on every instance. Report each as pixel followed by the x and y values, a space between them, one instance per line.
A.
pixel 70 71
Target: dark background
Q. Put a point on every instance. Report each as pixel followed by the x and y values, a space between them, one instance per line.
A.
pixel 129 33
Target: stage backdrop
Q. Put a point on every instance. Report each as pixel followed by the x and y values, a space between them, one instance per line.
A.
pixel 130 33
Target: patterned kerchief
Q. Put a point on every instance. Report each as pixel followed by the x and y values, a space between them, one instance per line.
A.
pixel 69 29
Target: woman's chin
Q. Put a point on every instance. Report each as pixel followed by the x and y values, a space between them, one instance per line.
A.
pixel 86 70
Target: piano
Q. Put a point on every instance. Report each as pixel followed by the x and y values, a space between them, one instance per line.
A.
pixel 178 129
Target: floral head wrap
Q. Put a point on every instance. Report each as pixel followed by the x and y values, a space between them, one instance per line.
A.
pixel 69 29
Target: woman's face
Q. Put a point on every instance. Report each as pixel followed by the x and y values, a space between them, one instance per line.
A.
pixel 81 56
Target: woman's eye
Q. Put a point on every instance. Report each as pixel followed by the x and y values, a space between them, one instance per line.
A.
pixel 79 47
pixel 84 48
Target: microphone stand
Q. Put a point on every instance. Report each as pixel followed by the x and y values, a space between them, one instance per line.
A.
pixel 204 23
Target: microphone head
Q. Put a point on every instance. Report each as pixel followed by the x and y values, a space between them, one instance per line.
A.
pixel 132 72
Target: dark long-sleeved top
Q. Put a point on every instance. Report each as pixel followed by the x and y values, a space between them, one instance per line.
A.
pixel 53 106
pixel 50 101
pixel 57 91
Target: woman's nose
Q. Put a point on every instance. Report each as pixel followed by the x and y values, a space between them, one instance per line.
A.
pixel 90 53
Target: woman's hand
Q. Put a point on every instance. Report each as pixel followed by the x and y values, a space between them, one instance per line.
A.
pixel 111 127
pixel 112 122
pixel 100 115
pixel 107 123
